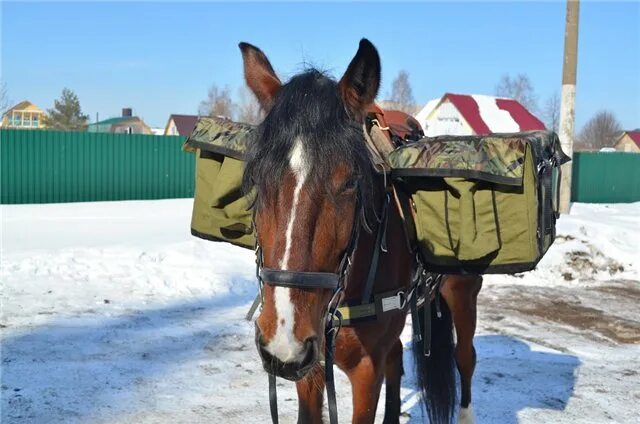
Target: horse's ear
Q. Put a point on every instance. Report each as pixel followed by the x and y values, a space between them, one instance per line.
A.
pixel 259 74
pixel 360 83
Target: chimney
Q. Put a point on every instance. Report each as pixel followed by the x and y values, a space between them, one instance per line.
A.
pixel 126 112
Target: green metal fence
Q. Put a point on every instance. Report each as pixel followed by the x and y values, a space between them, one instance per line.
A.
pixel 49 166
pixel 605 177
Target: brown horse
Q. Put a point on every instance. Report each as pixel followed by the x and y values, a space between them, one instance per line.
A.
pixel 315 188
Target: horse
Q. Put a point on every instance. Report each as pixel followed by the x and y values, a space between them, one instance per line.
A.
pixel 319 209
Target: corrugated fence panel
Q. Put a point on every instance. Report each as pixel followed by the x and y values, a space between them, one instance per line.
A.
pixel 611 177
pixel 51 166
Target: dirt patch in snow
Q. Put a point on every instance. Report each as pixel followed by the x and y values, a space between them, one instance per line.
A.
pixel 586 264
pixel 613 322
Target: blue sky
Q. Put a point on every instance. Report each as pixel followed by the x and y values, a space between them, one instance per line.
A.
pixel 160 57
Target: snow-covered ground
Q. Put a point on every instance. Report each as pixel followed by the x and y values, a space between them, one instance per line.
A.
pixel 113 313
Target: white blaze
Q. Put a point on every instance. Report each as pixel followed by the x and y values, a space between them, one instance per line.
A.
pixel 284 345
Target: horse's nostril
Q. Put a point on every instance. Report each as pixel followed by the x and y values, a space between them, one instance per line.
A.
pixel 310 341
pixel 310 351
pixel 259 340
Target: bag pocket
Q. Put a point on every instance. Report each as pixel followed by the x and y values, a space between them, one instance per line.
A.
pixel 474 218
pixel 456 220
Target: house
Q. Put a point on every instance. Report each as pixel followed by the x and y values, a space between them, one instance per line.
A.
pixel 24 115
pixel 464 114
pixel 180 124
pixel 629 141
pixel 125 124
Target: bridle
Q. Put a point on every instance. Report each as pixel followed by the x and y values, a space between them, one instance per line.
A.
pixel 335 281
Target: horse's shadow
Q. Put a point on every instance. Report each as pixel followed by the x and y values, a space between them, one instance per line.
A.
pixel 509 377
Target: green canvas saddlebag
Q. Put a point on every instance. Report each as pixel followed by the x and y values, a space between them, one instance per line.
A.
pixel 481 204
pixel 220 209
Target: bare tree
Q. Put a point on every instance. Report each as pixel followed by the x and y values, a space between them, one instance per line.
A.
pixel 4 98
pixel 218 103
pixel 249 110
pixel 600 131
pixel 401 93
pixel 551 112
pixel 519 88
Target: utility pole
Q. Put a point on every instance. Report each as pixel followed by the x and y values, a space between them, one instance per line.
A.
pixel 567 106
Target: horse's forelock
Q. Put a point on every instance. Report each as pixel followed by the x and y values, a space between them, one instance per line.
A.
pixel 308 109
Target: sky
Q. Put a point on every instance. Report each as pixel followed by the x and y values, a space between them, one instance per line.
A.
pixel 161 57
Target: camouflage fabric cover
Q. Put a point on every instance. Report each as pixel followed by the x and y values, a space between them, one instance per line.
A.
pixel 481 204
pixel 495 158
pixel 219 135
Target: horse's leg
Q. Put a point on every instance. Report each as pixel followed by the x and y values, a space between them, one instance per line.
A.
pixel 366 382
pixel 461 293
pixel 393 374
pixel 310 392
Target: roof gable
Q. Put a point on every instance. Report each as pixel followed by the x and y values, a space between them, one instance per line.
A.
pixel 184 123
pixel 23 105
pixel 635 136
pixel 470 111
pixel 487 114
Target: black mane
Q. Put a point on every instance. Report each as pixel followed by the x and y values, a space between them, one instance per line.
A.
pixel 308 108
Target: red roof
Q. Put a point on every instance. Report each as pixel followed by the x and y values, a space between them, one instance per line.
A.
pixel 184 123
pixel 469 109
pixel 635 136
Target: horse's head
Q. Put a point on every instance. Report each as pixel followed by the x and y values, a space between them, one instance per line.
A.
pixel 311 173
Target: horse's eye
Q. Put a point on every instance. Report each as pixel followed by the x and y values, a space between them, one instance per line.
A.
pixel 350 184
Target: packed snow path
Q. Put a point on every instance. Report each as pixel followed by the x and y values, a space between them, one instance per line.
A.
pixel 113 313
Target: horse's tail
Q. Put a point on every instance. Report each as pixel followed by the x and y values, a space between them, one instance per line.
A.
pixel 436 373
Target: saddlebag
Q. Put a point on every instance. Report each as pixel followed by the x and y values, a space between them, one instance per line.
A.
pixel 220 208
pixel 481 204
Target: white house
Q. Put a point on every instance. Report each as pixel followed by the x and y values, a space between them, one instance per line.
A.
pixel 463 114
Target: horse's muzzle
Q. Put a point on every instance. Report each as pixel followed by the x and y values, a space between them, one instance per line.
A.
pixel 292 371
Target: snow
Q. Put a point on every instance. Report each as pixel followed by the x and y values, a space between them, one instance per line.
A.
pixel 113 313
pixel 498 120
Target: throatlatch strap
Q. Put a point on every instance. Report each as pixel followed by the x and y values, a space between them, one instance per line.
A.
pixel 273 399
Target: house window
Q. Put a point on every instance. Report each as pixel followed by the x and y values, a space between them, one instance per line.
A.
pixel 26 120
pixel 35 122
pixel 17 120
